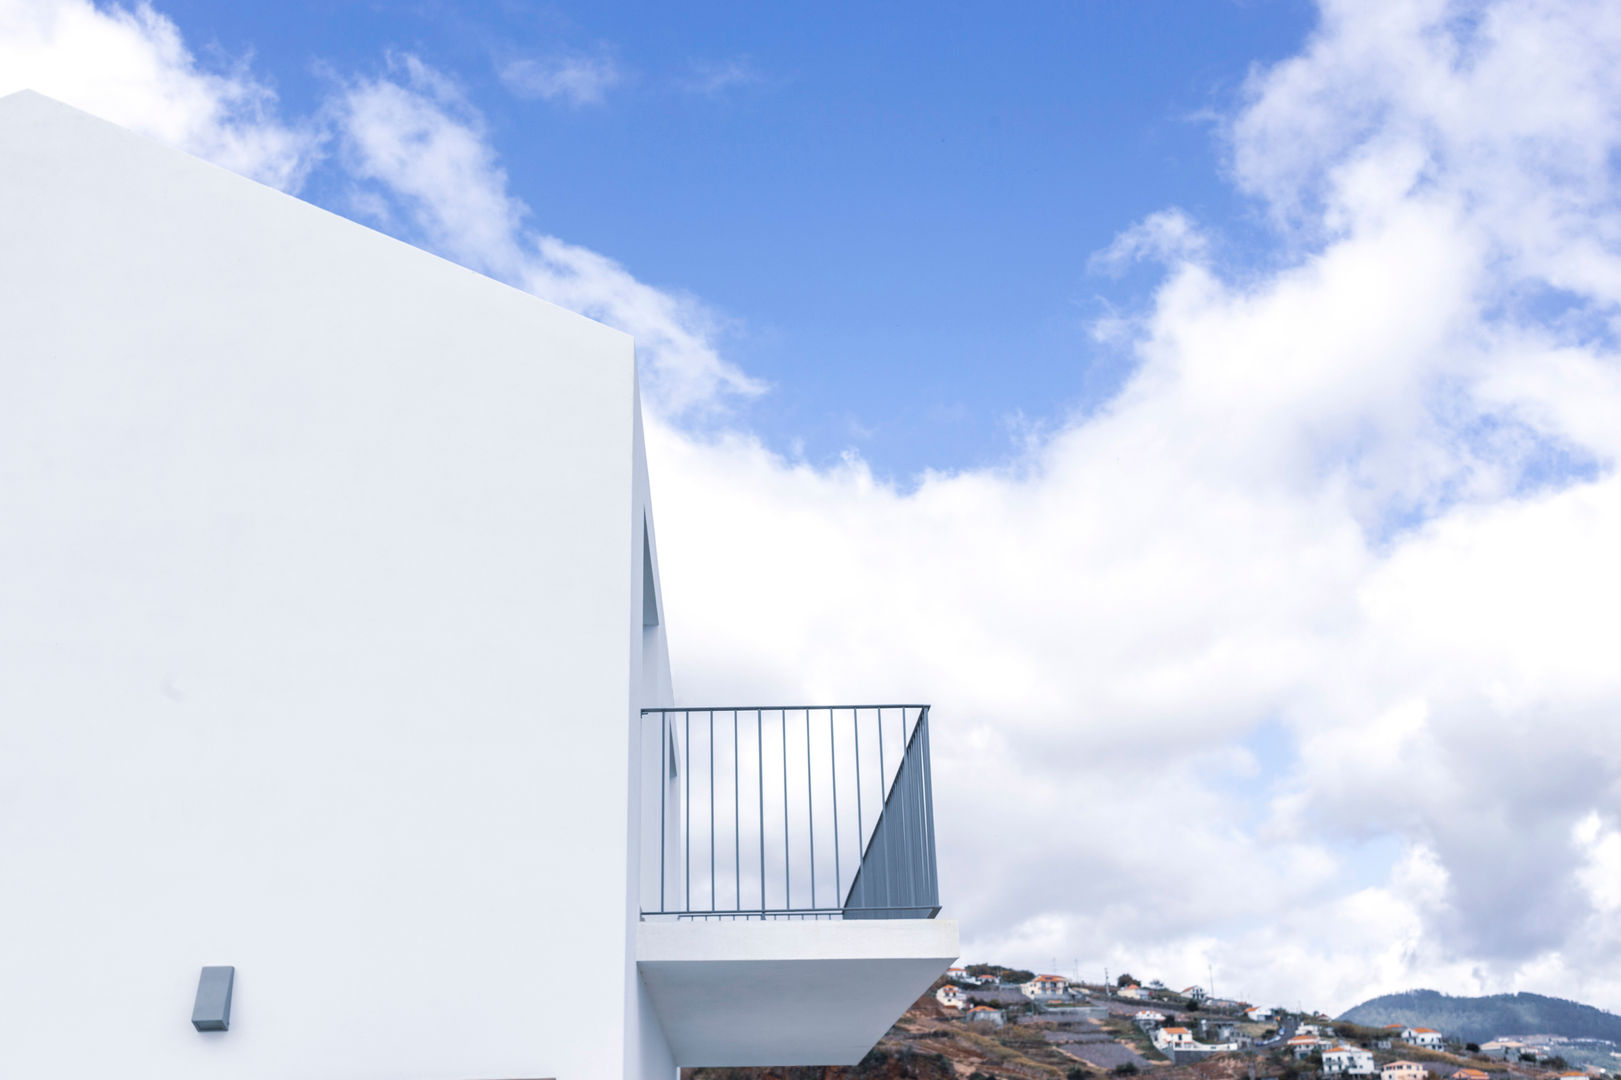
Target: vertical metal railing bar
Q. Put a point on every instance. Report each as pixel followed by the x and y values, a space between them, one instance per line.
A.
pixel 810 809
pixel 931 866
pixel 737 817
pixel 883 797
pixel 711 809
pixel 787 850
pixel 833 762
pixel 664 801
pixel 861 829
pixel 898 794
pixel 686 813
pixel 759 750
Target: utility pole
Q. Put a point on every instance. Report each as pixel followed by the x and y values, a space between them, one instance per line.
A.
pixel 1210 970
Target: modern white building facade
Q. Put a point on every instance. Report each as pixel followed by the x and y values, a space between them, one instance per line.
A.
pixel 332 652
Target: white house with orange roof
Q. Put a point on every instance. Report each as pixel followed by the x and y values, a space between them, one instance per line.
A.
pixel 984 1014
pixel 1428 1038
pixel 1403 1070
pixel 1194 993
pixel 1303 1045
pixel 1045 987
pixel 1132 992
pixel 951 997
pixel 1258 1013
pixel 1147 1018
pixel 1345 1060
pixel 1171 1038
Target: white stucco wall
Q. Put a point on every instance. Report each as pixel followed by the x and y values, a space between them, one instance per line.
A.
pixel 314 651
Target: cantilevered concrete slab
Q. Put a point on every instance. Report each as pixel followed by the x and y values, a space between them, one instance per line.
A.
pixel 808 992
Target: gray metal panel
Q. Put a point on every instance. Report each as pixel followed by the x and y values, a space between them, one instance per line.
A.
pixel 212 1009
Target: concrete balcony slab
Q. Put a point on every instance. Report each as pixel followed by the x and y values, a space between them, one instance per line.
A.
pixel 791 992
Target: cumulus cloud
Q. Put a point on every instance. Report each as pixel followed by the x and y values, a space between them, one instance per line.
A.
pixel 422 149
pixel 571 78
pixel 1295 659
pixel 1360 506
pixel 132 66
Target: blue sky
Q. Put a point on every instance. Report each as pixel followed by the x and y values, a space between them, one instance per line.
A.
pixel 893 208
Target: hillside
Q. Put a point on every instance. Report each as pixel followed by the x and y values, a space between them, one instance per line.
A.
pixel 1477 1019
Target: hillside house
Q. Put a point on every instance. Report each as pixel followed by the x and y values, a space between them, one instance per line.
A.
pixel 1303 1046
pixel 1404 1070
pixel 1345 1060
pixel 1507 1049
pixel 1173 1037
pixel 1309 1029
pixel 951 997
pixel 1258 1014
pixel 1045 988
pixel 1147 1018
pixel 336 660
pixel 1480 1074
pixel 984 1014
pixel 1428 1038
pixel 958 975
pixel 1194 993
pixel 1133 992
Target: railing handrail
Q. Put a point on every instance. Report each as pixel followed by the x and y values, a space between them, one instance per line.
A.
pixel 707 802
pixel 768 708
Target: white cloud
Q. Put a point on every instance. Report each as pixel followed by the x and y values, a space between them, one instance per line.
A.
pixel 1368 498
pixel 716 77
pixel 572 78
pixel 423 149
pixel 131 66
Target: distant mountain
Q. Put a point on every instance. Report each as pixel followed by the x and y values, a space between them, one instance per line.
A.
pixel 1477 1019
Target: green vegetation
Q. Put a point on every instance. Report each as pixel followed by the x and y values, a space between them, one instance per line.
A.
pixel 1480 1018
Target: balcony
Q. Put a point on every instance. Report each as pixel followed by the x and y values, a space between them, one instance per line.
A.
pixel 790 884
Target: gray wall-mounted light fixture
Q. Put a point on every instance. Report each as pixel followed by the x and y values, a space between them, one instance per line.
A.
pixel 212 1009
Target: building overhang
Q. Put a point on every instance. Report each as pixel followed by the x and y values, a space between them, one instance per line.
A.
pixel 747 992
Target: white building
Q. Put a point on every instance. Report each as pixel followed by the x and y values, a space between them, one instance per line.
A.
pixel 1193 993
pixel 1146 1018
pixel 1045 988
pixel 1403 1070
pixel 984 1014
pixel 1348 1061
pixel 1303 1046
pixel 1428 1038
pixel 951 997
pixel 1258 1013
pixel 1173 1037
pixel 331 610
pixel 1133 992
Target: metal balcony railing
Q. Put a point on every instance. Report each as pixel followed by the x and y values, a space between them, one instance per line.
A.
pixel 790 812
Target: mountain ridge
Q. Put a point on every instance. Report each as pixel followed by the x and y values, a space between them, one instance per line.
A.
pixel 1478 1019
